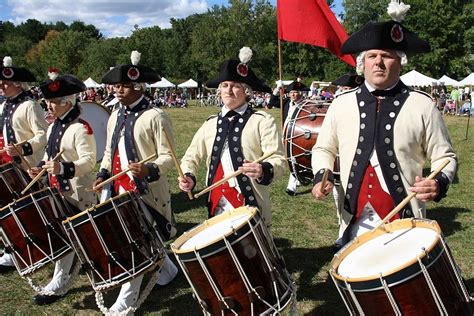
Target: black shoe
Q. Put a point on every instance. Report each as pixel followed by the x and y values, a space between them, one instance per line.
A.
pixel 290 192
pixel 5 269
pixel 46 299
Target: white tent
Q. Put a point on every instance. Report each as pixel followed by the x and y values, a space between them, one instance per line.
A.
pixel 90 83
pixel 414 78
pixel 188 84
pixel 468 81
pixel 163 83
pixel 448 81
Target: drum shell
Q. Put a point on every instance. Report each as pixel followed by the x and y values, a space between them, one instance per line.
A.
pixel 301 133
pixel 13 180
pixel 409 287
pixel 222 268
pixel 27 213
pixel 140 255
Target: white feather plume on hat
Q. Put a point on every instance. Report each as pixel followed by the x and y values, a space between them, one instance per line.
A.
pixel 7 61
pixel 245 54
pixel 135 57
pixel 397 10
pixel 53 73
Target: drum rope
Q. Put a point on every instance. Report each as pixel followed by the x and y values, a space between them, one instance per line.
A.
pixel 456 270
pixel 391 299
pixel 340 292
pixel 61 291
pixel 354 298
pixel 434 292
pixel 246 281
pixel 267 261
pixel 196 295
pixel 130 310
pixel 211 281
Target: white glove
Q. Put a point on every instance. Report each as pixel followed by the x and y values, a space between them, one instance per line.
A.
pixel 279 84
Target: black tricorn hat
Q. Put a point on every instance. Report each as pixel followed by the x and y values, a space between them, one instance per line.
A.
pixel 133 72
pixel 61 86
pixel 234 70
pixel 385 35
pixel 11 73
pixel 349 80
pixel 296 86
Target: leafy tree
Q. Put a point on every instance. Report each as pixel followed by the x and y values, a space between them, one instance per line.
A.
pixel 90 30
pixel 99 56
pixel 32 29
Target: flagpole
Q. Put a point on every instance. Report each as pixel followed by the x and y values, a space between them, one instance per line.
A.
pixel 282 87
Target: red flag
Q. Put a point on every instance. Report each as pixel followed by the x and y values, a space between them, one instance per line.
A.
pixel 311 22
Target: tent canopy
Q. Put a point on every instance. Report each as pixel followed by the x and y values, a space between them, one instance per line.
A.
pixel 163 83
pixel 90 83
pixel 188 84
pixel 414 78
pixel 468 81
pixel 448 81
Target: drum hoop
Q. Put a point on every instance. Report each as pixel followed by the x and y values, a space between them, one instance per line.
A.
pixel 91 209
pixel 26 197
pixel 364 238
pixel 178 243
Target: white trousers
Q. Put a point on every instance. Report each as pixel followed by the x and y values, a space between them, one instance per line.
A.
pixel 61 276
pixel 293 183
pixel 7 260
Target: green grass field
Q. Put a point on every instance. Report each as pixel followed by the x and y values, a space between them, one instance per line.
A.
pixel 304 231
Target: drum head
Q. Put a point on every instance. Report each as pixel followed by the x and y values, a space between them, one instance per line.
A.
pixel 97 116
pixel 213 230
pixel 383 253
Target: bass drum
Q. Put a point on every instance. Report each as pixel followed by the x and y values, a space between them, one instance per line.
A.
pixel 300 133
pixel 97 116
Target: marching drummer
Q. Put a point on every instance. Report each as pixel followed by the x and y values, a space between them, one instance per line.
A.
pixel 22 122
pixel 383 132
pixel 134 132
pixel 294 90
pixel 72 140
pixel 230 140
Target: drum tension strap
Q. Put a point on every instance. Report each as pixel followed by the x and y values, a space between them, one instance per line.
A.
pixel 30 239
pixel 227 304
pixel 113 258
pixel 257 292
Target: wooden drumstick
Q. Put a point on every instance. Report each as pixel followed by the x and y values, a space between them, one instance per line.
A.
pixel 118 175
pixel 235 174
pixel 176 162
pixel 40 174
pixel 21 156
pixel 3 150
pixel 324 180
pixel 409 197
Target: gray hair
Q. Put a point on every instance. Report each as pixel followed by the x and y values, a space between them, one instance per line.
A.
pixel 248 90
pixel 361 56
pixel 23 85
pixel 68 98
pixel 139 86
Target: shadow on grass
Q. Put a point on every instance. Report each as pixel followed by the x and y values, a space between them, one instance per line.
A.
pixel 307 264
pixel 446 218
pixel 181 203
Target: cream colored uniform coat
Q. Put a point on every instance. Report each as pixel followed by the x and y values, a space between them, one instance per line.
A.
pixel 420 135
pixel 259 136
pixel 149 139
pixel 29 125
pixel 79 148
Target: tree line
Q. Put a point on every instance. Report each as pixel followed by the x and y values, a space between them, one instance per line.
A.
pixel 194 47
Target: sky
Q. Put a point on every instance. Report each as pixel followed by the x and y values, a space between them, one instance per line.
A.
pixel 112 18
